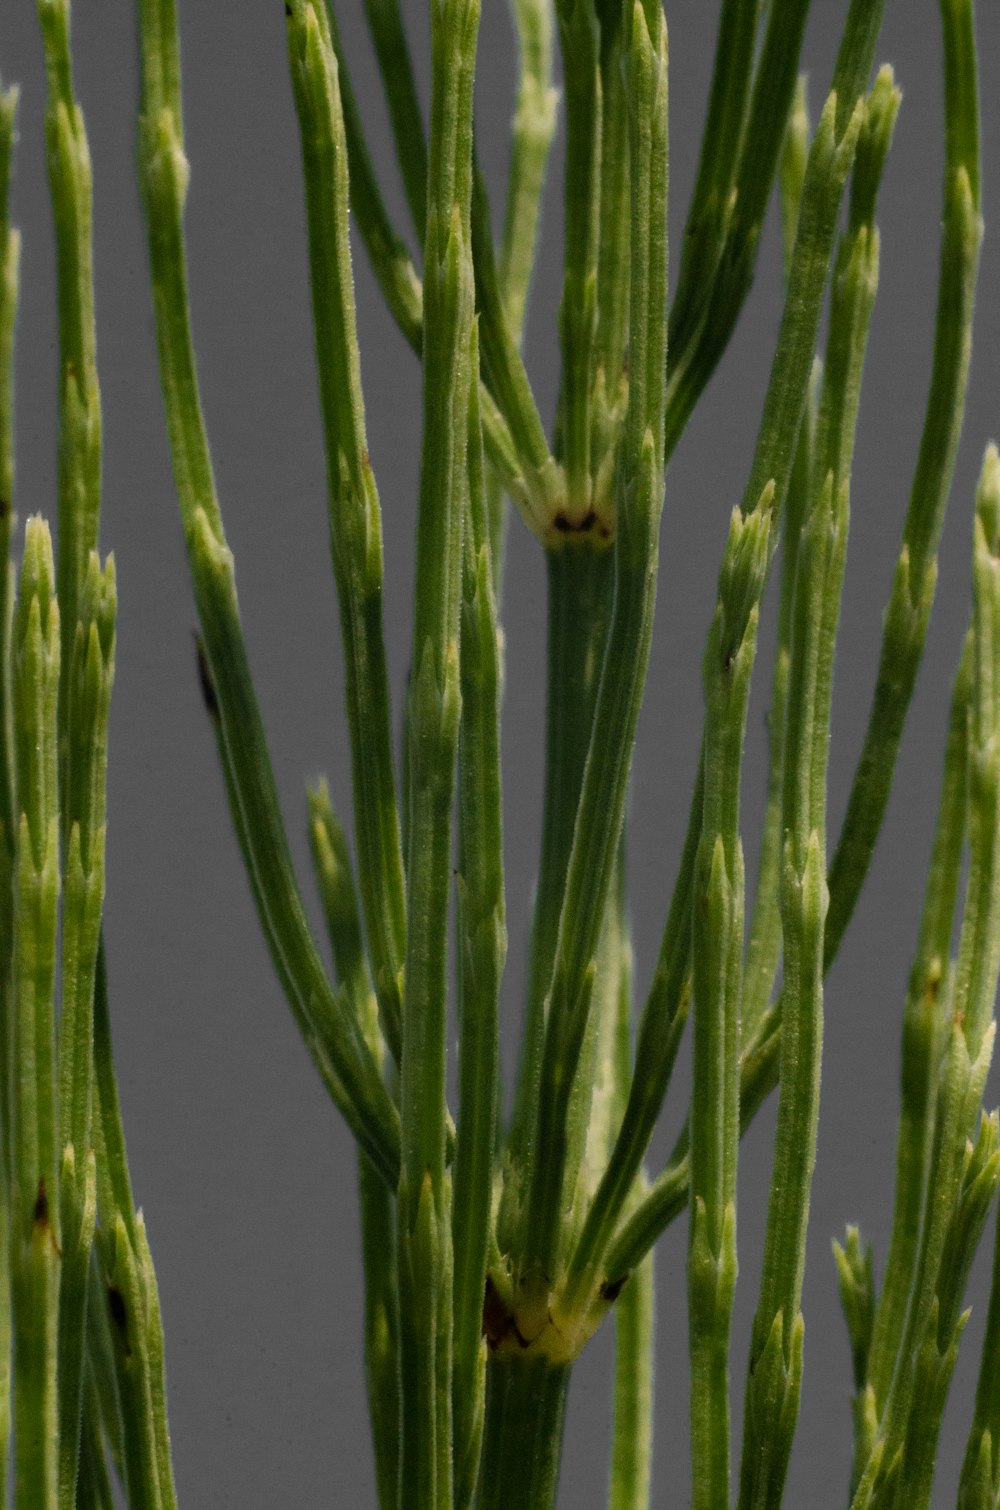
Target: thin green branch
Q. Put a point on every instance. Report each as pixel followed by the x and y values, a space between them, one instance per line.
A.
pixel 35 1206
pixel 354 511
pixel 482 943
pixel 331 860
pixel 712 195
pixel 830 160
pixel 579 36
pixel 79 395
pixel 602 799
pixel 926 1011
pixel 631 1451
pixel 580 588
pixel 388 254
pixel 979 1486
pixel 912 595
pixel 717 946
pixel 385 23
pixel 330 1031
pixel 504 369
pixel 401 287
pixel 9 258
pixel 432 722
pixel 773 94
pixel 930 1333
pixel 534 125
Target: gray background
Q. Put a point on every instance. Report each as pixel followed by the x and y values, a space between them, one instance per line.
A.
pixel 243 1169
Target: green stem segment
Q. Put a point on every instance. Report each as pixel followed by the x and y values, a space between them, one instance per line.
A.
pixel 377 1206
pixel 385 22
pixel 602 799
pixel 717 920
pixel 579 35
pixel 525 1410
pixel 354 511
pixel 482 935
pixel 432 723
pixel 915 578
pixel 332 1035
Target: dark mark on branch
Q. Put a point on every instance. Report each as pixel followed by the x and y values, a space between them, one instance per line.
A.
pixel 205 681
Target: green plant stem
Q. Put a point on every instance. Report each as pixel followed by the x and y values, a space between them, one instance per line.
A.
pixel 930 1319
pixel 526 1403
pixel 733 192
pixel 923 1018
pixel 78 1196
pixel 579 37
pixel 631 1456
pixel 503 369
pixel 390 258
pixel 710 206
pixel 979 1485
pixel 354 513
pixel 717 944
pixel 774 1374
pixel 9 258
pixel 773 91
pixel 432 722
pixel 499 340
pixel 385 23
pixel 125 1333
pixel 580 584
pixel 613 270
pixel 482 935
pixel 640 497
pixel 534 125
pixel 331 860
pixel 79 394
pixel 401 287
pixel 830 159
pixel 912 595
pixel 661 1027
pixel 35 1206
pixel 330 1032
pixel 531 140
pixel 764 935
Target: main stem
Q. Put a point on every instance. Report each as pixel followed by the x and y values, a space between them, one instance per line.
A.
pixel 522 1447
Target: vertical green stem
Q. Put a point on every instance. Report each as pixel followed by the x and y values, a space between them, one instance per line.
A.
pixel 482 935
pixel 9 254
pixel 915 578
pixel 717 944
pixel 710 207
pixel 923 1019
pixel 385 22
pixel 354 511
pixel 35 1209
pixel 534 124
pixel 631 1456
pixel 580 37
pixel 434 700
pixel 525 1413
pixel 580 581
pixel 79 395
pixel 376 1201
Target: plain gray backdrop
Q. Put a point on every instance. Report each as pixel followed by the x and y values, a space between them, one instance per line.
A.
pixel 245 1172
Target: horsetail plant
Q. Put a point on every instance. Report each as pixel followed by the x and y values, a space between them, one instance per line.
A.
pixel 498 1238
pixel 81 1314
